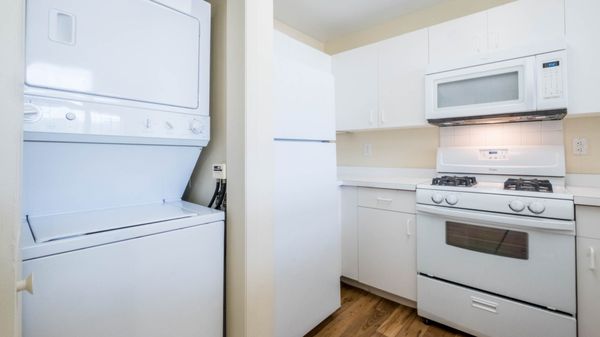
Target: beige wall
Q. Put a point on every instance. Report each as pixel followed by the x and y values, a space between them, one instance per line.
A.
pixel 298 35
pixel 406 148
pixel 202 183
pixel 416 148
pixel 588 128
pixel 444 11
pixel 11 110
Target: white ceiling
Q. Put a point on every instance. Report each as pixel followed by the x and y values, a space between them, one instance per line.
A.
pixel 325 20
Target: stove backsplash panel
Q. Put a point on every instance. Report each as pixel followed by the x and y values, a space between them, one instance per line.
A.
pixel 529 133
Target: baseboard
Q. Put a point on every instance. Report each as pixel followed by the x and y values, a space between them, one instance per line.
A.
pixel 379 292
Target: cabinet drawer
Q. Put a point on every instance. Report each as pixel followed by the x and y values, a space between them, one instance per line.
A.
pixel 481 314
pixel 391 200
pixel 588 221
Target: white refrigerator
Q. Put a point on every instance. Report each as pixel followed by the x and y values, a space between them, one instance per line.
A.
pixel 307 227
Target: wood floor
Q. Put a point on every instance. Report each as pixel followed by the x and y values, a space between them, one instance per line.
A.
pixel 366 315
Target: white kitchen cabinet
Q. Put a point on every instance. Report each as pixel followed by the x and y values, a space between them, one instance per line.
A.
pixel 348 216
pixel 525 23
pixel 402 66
pixel 583 52
pixel 461 39
pixel 356 88
pixel 588 270
pixel 387 251
pixel 588 286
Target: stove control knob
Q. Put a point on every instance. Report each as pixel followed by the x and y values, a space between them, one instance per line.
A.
pixel 437 198
pixel 537 207
pixel 452 199
pixel 196 126
pixel 517 205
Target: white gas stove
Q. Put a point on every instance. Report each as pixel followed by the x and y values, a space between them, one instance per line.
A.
pixel 496 253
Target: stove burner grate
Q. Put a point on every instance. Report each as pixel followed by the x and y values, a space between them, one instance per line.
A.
pixel 455 181
pixel 531 185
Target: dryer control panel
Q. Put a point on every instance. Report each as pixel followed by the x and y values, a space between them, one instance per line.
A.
pixel 53 119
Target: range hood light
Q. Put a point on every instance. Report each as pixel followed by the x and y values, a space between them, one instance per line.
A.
pixel 534 116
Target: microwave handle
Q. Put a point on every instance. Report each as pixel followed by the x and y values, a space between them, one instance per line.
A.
pixel 498 219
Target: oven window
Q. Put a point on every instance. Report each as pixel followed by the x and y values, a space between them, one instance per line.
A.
pixel 488 240
pixel 479 90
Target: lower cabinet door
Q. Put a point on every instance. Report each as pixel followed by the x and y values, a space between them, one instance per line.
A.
pixel 588 287
pixel 348 215
pixel 387 251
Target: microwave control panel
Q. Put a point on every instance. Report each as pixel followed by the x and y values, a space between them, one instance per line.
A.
pixel 552 84
pixel 551 73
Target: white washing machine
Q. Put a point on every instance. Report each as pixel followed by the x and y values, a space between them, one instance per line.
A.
pixel 116 116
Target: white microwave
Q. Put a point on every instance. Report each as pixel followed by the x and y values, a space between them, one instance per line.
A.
pixel 522 89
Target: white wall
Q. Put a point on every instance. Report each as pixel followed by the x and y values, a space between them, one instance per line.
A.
pixel 11 107
pixel 250 261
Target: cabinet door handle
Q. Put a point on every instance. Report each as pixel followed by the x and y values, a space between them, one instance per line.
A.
pixel 380 199
pixel 592 258
pixel 371 116
pixel 382 112
pixel 408 232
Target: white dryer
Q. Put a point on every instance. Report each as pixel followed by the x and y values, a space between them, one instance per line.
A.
pixel 116 116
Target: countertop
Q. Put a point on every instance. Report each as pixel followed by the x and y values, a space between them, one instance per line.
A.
pixel 585 196
pixel 584 188
pixel 395 183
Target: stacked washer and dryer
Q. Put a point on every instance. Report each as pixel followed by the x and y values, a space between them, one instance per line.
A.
pixel 116 116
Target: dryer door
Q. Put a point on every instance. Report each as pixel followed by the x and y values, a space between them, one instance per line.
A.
pixel 137 50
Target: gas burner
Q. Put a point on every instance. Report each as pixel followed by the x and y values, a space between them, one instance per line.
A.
pixel 455 181
pixel 531 185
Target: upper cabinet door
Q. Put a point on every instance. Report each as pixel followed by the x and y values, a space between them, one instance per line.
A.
pixel 525 23
pixel 458 40
pixel 583 26
pixel 356 88
pixel 135 50
pixel 402 66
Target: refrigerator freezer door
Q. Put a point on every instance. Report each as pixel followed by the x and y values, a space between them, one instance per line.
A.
pixel 137 50
pixel 304 106
pixel 307 236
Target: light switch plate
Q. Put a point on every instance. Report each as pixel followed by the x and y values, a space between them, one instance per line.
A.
pixel 367 150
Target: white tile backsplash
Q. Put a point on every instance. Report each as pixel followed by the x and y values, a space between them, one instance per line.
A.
pixel 531 133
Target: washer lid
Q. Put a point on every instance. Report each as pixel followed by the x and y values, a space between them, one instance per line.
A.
pixel 63 226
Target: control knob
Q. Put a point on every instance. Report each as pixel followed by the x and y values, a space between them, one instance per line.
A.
pixel 537 207
pixel 452 199
pixel 437 198
pixel 517 205
pixel 196 126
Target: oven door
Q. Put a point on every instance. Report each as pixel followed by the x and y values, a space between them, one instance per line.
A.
pixel 499 88
pixel 507 258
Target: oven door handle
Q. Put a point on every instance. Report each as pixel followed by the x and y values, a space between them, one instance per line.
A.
pixel 498 219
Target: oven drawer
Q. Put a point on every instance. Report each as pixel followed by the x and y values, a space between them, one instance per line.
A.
pixel 481 314
pixel 391 200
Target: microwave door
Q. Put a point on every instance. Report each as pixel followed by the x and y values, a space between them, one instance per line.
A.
pixel 491 89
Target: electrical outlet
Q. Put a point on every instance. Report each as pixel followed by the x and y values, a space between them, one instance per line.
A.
pixel 580 146
pixel 367 150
